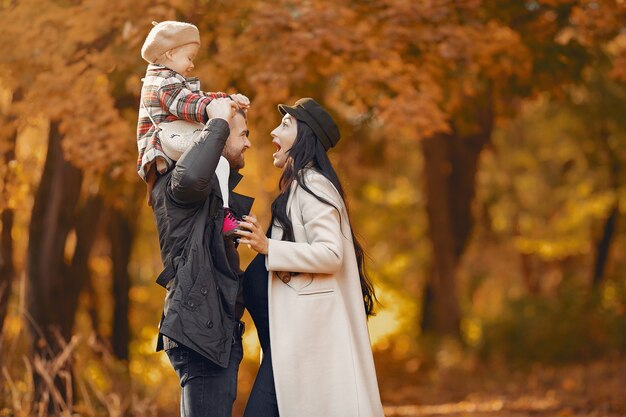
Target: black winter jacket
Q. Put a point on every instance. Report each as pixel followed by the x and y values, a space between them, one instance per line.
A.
pixel 201 271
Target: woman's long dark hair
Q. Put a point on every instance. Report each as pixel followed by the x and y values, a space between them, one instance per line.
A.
pixel 308 152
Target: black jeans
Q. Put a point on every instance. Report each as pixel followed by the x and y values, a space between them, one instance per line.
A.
pixel 262 401
pixel 207 390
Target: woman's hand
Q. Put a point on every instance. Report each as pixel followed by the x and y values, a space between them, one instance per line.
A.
pixel 252 234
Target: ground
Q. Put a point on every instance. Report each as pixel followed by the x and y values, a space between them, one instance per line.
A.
pixel 595 389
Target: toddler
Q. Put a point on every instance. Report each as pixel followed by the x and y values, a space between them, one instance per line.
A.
pixel 169 94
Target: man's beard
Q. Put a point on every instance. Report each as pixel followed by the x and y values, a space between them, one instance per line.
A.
pixel 238 164
pixel 235 161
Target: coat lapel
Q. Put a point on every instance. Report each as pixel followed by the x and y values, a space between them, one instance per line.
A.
pixel 239 203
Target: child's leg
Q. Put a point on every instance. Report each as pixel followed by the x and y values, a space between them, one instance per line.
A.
pixel 150 180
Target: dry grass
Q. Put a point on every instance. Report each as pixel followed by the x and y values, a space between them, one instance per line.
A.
pixel 58 380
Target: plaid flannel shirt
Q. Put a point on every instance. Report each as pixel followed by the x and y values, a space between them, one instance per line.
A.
pixel 167 96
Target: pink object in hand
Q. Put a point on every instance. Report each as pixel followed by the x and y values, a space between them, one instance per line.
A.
pixel 230 223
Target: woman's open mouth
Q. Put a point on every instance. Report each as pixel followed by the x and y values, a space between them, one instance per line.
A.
pixel 278 148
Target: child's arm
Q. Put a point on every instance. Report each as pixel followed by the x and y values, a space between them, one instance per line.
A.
pixel 242 101
pixel 188 105
pixel 213 96
pixel 183 103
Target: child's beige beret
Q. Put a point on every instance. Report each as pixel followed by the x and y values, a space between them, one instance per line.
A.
pixel 168 35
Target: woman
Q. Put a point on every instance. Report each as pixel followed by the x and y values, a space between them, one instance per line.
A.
pixel 316 295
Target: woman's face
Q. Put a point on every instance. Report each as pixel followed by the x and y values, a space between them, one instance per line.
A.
pixel 283 137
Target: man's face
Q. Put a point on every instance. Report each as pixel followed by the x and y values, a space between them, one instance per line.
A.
pixel 237 143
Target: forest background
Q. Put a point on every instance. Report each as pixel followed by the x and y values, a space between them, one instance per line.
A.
pixel 483 156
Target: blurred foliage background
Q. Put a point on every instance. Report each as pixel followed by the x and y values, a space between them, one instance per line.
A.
pixel 483 156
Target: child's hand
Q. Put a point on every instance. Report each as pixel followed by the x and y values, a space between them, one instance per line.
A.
pixel 242 101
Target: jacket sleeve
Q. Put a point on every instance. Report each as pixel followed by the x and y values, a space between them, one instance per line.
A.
pixel 191 179
pixel 213 96
pixel 184 103
pixel 323 253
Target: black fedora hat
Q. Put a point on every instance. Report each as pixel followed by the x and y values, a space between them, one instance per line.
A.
pixel 313 114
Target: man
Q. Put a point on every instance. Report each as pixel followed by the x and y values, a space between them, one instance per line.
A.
pixel 200 328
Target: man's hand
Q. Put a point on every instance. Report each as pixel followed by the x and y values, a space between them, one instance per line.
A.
pixel 221 108
pixel 242 101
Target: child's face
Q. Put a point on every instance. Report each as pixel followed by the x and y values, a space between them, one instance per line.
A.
pixel 181 58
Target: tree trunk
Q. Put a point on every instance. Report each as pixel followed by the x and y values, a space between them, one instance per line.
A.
pixel 7 268
pixel 51 221
pixel 441 311
pixel 86 234
pixel 603 247
pixel 121 236
pixel 450 166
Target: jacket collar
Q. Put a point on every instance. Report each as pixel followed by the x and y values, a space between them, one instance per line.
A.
pixel 239 203
pixel 234 179
pixel 156 68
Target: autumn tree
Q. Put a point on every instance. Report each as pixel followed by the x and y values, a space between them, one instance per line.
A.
pixel 441 72
pixel 418 90
pixel 412 72
pixel 62 74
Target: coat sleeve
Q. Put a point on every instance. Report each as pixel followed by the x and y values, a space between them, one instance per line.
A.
pixel 323 253
pixel 191 179
pixel 183 103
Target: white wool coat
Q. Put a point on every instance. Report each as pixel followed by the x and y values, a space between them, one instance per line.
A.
pixel 321 352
